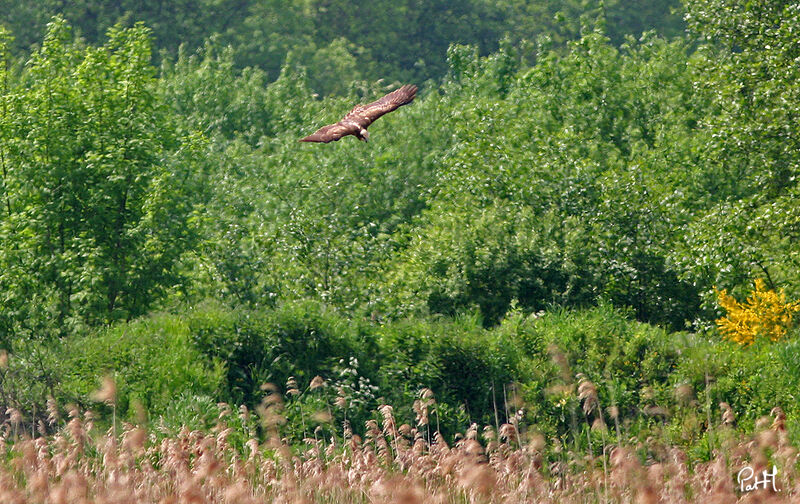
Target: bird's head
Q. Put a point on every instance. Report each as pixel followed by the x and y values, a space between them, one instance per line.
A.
pixel 363 135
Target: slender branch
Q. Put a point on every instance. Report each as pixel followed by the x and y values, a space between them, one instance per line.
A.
pixel 766 273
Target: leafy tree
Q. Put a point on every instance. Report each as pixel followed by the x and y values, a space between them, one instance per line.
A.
pixel 172 22
pixel 98 208
pixel 343 41
pixel 568 182
pixel 492 260
pixel 749 66
pixel 746 70
pixel 208 95
pixel 565 20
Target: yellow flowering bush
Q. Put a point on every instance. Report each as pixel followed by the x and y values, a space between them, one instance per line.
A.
pixel 765 313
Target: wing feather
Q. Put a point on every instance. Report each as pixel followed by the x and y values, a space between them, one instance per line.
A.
pixel 367 114
pixel 329 133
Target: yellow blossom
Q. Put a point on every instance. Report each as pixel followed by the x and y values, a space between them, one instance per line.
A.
pixel 765 313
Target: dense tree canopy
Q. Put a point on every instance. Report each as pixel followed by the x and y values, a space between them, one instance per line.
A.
pixel 557 177
pixel 339 40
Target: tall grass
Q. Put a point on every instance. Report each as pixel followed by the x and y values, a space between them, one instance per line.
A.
pixel 398 460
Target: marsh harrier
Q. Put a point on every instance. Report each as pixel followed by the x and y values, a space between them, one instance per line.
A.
pixel 357 120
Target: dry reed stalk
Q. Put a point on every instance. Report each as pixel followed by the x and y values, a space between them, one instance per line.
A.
pixel 78 464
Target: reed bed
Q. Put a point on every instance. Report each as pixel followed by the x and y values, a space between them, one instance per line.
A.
pixel 392 462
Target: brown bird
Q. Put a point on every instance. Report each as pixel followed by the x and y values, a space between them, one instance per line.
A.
pixel 357 120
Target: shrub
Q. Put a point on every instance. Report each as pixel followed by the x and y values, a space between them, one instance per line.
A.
pixel 629 362
pixel 301 339
pixel 152 361
pixel 466 367
pixel 764 314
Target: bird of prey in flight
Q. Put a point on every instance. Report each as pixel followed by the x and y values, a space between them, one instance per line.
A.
pixel 357 120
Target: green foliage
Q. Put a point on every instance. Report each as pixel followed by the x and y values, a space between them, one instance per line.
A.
pixel 747 67
pixel 564 20
pixel 631 364
pixel 343 41
pixel 31 374
pixel 466 367
pixel 509 235
pixel 527 201
pixel 302 340
pixel 177 367
pixel 752 381
pixel 152 361
pixel 193 412
pixel 487 261
pixel 207 95
pixel 172 22
pixel 96 186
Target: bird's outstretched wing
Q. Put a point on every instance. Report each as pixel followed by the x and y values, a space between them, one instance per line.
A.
pixel 365 115
pixel 330 133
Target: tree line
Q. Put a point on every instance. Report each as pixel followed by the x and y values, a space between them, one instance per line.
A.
pixel 642 174
pixel 340 42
